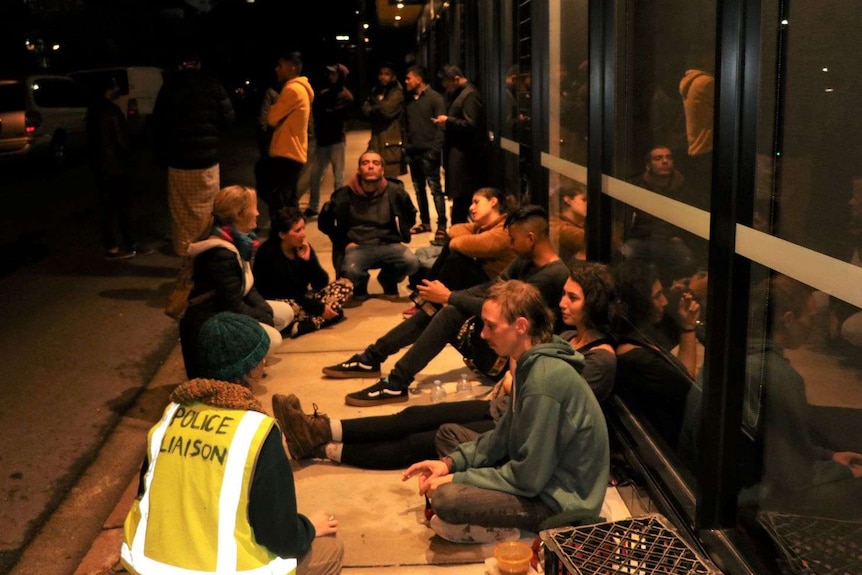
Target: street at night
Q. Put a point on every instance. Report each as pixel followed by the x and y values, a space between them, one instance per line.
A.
pixel 81 336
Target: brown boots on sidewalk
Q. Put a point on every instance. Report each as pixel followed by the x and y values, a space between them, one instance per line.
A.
pixel 306 435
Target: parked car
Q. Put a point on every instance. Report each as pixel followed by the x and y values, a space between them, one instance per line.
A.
pixel 42 115
pixel 139 86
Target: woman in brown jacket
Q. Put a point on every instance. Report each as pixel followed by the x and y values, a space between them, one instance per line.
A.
pixel 476 251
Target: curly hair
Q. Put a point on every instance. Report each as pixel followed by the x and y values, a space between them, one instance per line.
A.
pixel 634 280
pixel 597 282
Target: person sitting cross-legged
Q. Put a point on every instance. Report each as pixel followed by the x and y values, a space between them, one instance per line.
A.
pixel 286 268
pixel 367 221
pixel 548 454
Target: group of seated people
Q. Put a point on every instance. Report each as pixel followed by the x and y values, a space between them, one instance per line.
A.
pixel 532 454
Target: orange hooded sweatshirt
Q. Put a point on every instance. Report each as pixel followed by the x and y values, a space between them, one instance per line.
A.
pixel 697 89
pixel 289 116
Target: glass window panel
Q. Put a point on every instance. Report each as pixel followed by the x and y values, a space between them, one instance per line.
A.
pixel 661 172
pixel 800 462
pixel 510 74
pixel 567 125
pixel 567 82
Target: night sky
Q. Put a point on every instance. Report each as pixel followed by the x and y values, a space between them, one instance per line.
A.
pixel 238 40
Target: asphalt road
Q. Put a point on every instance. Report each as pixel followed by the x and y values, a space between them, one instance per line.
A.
pixel 80 337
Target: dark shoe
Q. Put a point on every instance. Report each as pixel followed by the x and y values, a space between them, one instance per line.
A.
pixel 310 213
pixel 394 297
pixel 353 367
pixel 355 301
pixel 440 237
pixel 302 327
pixel 421 229
pixel 304 433
pixel 113 256
pixel 378 394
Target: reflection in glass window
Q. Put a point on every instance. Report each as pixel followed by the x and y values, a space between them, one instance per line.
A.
pixel 567 125
pixel 567 82
pixel 663 157
pixel 801 455
pixel 568 211
pixel 658 353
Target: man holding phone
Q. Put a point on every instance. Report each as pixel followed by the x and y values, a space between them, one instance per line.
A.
pixel 423 142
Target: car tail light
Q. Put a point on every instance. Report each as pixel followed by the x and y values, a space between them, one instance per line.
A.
pixel 132 108
pixel 32 121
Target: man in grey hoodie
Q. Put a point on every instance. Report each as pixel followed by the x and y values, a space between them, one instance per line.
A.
pixel 547 455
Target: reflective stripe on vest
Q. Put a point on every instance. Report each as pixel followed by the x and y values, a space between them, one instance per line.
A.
pixel 229 498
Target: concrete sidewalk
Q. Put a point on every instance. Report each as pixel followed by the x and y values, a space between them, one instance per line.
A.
pixel 84 534
pixel 107 489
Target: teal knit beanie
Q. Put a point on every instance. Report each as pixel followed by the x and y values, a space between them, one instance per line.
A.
pixel 230 345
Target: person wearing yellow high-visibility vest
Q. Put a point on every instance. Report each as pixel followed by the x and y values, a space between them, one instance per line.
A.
pixel 216 492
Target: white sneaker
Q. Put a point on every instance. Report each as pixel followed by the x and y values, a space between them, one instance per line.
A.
pixel 466 533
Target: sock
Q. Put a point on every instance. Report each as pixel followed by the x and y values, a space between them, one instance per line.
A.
pixel 336 430
pixel 333 451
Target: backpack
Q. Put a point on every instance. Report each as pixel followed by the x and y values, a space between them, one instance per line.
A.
pixel 476 352
pixel 178 296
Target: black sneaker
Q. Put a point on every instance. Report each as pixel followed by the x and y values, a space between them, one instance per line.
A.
pixel 378 394
pixel 353 367
pixel 310 213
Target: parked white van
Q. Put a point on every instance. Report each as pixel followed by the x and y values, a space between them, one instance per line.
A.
pixel 139 86
pixel 42 114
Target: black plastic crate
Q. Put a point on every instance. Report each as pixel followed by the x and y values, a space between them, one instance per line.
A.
pixel 646 545
pixel 816 545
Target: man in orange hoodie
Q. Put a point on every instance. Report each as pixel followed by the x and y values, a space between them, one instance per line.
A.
pixel 288 117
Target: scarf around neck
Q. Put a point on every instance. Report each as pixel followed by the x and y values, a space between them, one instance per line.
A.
pixel 216 394
pixel 246 244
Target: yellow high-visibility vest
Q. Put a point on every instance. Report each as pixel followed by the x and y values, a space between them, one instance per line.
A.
pixel 193 516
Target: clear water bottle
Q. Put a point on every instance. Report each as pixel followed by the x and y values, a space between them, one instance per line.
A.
pixel 464 385
pixel 438 394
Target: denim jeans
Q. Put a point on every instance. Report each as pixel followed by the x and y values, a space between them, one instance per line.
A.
pixel 460 503
pixel 325 156
pixel 395 262
pixel 425 167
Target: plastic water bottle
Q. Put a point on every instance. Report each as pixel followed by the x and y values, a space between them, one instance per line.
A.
pixel 438 394
pixel 464 385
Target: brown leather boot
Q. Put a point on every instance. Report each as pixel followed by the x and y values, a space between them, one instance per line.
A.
pixel 304 433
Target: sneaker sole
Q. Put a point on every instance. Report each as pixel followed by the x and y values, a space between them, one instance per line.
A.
pixel 350 375
pixel 369 402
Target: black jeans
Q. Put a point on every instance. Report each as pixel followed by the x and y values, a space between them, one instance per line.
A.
pixel 284 179
pixel 396 441
pixel 428 334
